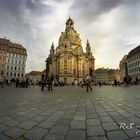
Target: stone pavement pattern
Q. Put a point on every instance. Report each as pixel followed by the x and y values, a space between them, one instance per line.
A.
pixel 69 113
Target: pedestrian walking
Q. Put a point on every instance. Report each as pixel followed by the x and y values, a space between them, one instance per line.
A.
pixel 27 82
pixel 75 83
pixel 1 81
pixel 88 86
pixel 115 83
pixel 43 82
pixel 50 80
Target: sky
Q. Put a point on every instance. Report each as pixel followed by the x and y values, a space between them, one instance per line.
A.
pixel 111 26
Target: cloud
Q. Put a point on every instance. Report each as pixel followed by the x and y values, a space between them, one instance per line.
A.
pixel 110 25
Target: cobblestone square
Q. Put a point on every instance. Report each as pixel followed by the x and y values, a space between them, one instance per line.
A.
pixel 70 113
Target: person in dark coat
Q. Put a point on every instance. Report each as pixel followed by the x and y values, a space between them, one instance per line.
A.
pixel 88 86
pixel 115 83
pixel 43 82
pixel 27 82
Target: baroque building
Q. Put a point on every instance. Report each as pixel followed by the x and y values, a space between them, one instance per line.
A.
pixel 13 59
pixel 68 61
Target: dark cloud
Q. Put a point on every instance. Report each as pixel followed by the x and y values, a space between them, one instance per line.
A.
pixel 88 10
pixel 110 24
pixel 91 9
pixel 19 22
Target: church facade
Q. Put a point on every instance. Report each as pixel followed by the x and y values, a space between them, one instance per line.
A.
pixel 68 61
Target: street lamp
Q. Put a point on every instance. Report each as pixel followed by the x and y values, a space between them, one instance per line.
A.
pixel 47 67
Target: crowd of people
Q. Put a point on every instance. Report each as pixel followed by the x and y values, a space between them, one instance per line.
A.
pixel 50 81
pixel 24 82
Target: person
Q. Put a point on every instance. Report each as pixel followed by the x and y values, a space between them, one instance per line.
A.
pixel 100 84
pixel 49 82
pixel 1 81
pixel 17 82
pixel 88 86
pixel 115 83
pixel 27 82
pixel 75 82
pixel 43 82
pixel 52 82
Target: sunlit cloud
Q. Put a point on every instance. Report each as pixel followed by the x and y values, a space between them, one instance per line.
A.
pixel 111 26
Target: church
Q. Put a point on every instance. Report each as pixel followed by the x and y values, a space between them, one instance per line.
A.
pixel 68 61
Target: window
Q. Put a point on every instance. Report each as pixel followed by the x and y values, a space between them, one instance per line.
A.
pixel 15 74
pixel 11 67
pixel 65 66
pixel 15 68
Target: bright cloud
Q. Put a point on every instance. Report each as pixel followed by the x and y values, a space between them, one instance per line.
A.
pixel 112 27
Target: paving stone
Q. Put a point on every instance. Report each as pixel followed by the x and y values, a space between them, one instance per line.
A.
pixel 92 116
pixel 110 126
pixel 11 123
pixel 21 138
pixel 46 124
pixel 3 127
pixel 97 138
pixel 53 137
pixel 2 137
pixel 93 122
pixel 117 135
pixel 65 105
pixel 63 122
pixel 59 130
pixel 106 119
pixel 27 125
pixel 136 138
pixel 36 133
pixel 78 124
pixel 14 132
pixel 95 131
pixel 80 118
pixel 75 135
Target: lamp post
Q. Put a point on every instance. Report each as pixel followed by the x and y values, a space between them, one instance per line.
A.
pixel 47 67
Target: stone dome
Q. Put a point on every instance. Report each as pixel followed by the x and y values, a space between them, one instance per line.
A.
pixel 70 36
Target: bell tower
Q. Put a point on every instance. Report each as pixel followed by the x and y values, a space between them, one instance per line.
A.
pixel 69 23
pixel 52 49
pixel 88 48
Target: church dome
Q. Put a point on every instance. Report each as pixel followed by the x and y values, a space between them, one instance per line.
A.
pixel 70 36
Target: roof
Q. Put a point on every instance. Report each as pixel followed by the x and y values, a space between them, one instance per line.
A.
pixel 134 51
pixel 7 45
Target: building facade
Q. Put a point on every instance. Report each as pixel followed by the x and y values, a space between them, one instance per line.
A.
pixel 15 56
pixel 123 68
pixel 113 74
pixel 68 61
pixel 2 60
pixel 107 76
pixel 35 75
pixel 101 75
pixel 133 63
